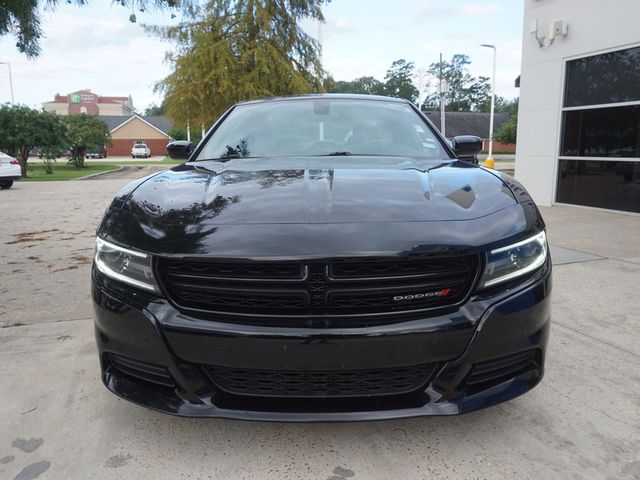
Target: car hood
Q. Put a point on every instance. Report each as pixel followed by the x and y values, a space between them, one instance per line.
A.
pixel 319 191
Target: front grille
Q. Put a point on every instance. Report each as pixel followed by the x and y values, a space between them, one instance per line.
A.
pixel 340 288
pixel 330 383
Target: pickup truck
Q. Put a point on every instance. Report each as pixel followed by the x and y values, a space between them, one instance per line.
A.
pixel 140 150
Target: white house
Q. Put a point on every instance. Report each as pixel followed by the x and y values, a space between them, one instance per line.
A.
pixel 579 115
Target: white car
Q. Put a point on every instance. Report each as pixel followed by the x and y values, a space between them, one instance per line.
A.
pixel 9 170
pixel 140 150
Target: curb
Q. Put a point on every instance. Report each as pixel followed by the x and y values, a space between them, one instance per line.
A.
pixel 88 177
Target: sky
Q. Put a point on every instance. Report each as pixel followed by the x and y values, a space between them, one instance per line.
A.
pixel 98 48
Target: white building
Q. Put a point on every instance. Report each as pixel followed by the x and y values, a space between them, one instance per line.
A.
pixel 579 115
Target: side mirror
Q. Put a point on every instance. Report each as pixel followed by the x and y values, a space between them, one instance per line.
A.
pixel 180 149
pixel 466 147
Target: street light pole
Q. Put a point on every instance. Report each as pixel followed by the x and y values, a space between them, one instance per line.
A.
pixel 442 89
pixel 489 161
pixel 10 80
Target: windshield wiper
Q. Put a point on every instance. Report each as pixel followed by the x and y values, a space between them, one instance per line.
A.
pixel 338 154
pixel 233 156
pixel 229 156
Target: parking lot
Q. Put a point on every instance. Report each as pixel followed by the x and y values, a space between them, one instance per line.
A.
pixel 58 421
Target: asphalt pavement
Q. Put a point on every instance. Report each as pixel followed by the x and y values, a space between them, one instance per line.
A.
pixel 57 421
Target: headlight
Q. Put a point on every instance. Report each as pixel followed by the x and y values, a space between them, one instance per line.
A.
pixel 125 265
pixel 512 261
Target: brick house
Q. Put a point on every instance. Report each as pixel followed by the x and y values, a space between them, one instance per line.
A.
pixel 127 131
pixel 473 123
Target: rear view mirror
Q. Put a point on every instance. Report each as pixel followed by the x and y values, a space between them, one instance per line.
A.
pixel 466 147
pixel 180 149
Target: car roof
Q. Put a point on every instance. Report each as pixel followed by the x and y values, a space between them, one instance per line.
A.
pixel 333 96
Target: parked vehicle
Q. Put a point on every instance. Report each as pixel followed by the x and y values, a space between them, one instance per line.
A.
pixel 9 170
pixel 59 153
pixel 99 152
pixel 140 150
pixel 319 258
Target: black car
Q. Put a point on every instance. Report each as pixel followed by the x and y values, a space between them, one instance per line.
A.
pixel 322 258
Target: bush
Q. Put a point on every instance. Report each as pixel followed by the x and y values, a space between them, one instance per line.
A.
pixel 508 132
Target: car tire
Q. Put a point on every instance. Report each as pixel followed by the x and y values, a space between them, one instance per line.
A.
pixel 4 184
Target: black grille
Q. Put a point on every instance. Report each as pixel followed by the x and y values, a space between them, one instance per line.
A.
pixel 141 370
pixel 239 270
pixel 331 383
pixel 368 268
pixel 340 288
pixel 498 370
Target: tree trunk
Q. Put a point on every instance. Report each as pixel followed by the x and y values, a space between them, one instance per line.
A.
pixel 82 154
pixel 22 159
pixel 77 156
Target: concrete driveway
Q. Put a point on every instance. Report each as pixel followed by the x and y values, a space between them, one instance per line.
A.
pixel 57 421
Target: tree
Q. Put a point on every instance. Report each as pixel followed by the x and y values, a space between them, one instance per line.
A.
pixel 21 18
pixel 53 138
pixel 85 132
pixel 465 92
pixel 398 81
pixel 23 128
pixel 362 85
pixel 231 50
pixel 178 132
pixel 504 105
pixel 509 130
pixel 155 110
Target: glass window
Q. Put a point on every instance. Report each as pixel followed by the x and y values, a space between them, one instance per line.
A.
pixel 603 184
pixel 601 132
pixel 321 127
pixel 607 78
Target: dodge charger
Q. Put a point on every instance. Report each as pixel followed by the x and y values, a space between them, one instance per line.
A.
pixel 322 258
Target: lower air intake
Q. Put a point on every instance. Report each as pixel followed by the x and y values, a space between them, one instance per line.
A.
pixel 492 372
pixel 331 383
pixel 147 372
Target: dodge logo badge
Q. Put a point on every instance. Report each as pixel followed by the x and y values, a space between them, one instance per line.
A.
pixel 415 296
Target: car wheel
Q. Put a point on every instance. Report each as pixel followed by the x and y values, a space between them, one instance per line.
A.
pixel 4 184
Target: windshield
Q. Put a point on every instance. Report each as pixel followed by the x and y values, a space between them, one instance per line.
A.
pixel 323 126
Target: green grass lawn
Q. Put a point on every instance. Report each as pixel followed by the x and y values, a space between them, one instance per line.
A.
pixel 64 171
pixel 36 172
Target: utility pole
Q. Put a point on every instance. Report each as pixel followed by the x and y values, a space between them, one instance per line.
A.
pixel 10 80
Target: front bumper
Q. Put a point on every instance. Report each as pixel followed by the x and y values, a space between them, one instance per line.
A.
pixel 489 351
